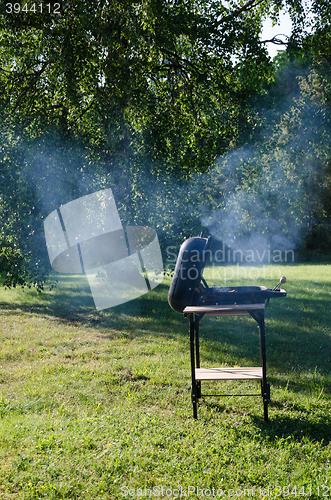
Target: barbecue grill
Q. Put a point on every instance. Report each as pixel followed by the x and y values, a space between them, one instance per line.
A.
pixel 190 294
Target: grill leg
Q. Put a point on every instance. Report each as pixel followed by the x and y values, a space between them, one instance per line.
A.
pixel 197 357
pixel 265 392
pixel 265 407
pixel 264 384
pixel 194 403
pixel 194 391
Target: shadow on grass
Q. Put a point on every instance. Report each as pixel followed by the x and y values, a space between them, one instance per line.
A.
pixel 296 423
pixel 297 427
pixel 72 303
pixel 297 328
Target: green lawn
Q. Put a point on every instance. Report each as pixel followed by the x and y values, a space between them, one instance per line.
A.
pixel 96 405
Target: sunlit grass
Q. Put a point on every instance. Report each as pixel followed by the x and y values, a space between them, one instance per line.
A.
pixel 97 404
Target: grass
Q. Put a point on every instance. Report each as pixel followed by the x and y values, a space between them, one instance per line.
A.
pixel 96 405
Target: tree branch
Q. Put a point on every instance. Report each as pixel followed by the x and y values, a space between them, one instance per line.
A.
pixel 247 6
pixel 28 87
pixel 276 41
pixel 70 127
pixel 174 55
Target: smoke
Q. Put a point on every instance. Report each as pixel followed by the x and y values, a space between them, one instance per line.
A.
pixel 246 201
pixel 271 191
pixel 259 197
pixel 262 211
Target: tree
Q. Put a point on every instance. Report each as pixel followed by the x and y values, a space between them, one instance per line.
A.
pixel 113 93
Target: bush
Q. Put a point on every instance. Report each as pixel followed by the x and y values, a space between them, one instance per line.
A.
pixel 317 242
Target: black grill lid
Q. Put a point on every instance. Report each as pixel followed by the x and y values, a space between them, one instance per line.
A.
pixel 188 272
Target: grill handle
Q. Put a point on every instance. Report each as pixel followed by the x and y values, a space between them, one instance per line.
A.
pixel 281 282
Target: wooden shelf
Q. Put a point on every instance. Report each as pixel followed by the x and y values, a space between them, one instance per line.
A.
pixel 248 373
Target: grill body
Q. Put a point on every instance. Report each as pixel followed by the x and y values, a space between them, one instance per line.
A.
pixel 189 288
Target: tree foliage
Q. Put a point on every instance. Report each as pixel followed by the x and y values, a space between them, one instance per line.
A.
pixel 163 71
pixel 138 95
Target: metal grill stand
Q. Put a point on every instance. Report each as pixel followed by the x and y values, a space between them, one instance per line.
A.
pixel 198 374
pixel 190 295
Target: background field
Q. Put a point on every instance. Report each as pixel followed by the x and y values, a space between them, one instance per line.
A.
pixel 97 404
